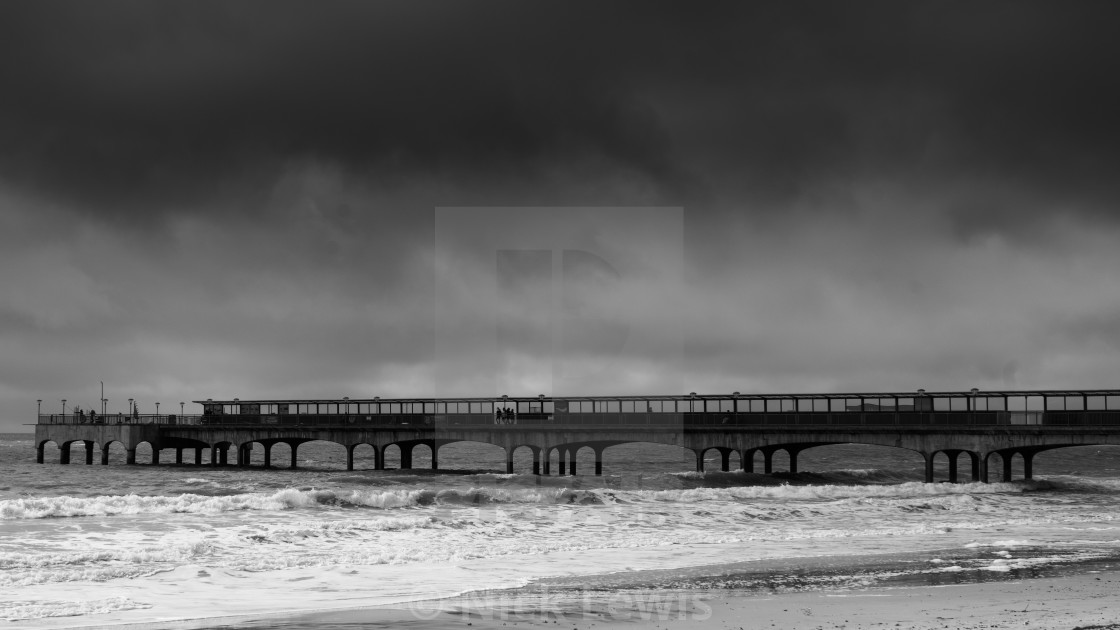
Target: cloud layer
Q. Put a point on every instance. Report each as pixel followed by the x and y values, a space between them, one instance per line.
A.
pixel 212 199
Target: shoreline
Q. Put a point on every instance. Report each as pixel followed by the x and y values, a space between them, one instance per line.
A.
pixel 821 592
pixel 1083 600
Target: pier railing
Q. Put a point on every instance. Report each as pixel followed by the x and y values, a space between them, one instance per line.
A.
pixel 690 420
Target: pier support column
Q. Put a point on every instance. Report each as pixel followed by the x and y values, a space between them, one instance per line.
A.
pixel 179 455
pixel 598 462
pixel 350 457
pixel 768 461
pixel 223 456
pixel 725 459
pixel 39 453
pixel 214 455
pixel 244 455
pixel 268 455
pixel 983 466
pixel 379 457
pixel 572 461
pixel 1006 456
pixel 792 452
pixel 406 456
pixel 976 466
pixel 952 455
pixel 89 452
pixel 509 461
pixel 929 467
pixel 1028 465
pixel 435 456
pixel 198 456
pixel 130 456
pixel 293 446
pixel 699 460
pixel 536 461
pixel 546 462
pixel 560 465
pixel 155 456
pixel 64 454
pixel 746 460
pixel 105 455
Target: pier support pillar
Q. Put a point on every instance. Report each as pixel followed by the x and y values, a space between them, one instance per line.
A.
pixel 1028 465
pixel 294 446
pixel 130 456
pixel 179 455
pixel 768 462
pixel 435 456
pixel 725 459
pixel 572 461
pixel 268 455
pixel 599 462
pixel 155 456
pixel 793 459
pixel 105 455
pixel 929 467
pixel 952 455
pixel 214 455
pixel 379 457
pixel 350 457
pixel 546 464
pixel 537 462
pixel 198 456
pixel 223 456
pixel 64 454
pixel 983 466
pixel 1006 456
pixel 89 452
pixel 699 460
pixel 746 460
pixel 509 463
pixel 560 464
pixel 39 453
pixel 406 456
pixel 975 466
pixel 244 455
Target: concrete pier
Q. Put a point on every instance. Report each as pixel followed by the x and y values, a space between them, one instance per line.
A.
pixel 933 426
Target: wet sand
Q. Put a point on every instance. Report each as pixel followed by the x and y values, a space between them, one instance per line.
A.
pixel 1090 600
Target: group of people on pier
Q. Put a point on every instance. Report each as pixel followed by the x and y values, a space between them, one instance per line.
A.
pixel 94 418
pixel 505 415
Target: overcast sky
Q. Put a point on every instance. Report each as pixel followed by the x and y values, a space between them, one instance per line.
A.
pixel 278 199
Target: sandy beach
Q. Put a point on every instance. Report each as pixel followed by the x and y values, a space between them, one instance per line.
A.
pixel 1087 600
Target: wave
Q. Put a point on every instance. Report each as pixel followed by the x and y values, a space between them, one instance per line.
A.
pixel 286 499
pixel 856 484
pixel 39 609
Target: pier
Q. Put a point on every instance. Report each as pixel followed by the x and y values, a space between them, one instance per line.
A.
pixel 975 424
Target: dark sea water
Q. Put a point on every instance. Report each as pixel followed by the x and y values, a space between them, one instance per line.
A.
pixel 119 544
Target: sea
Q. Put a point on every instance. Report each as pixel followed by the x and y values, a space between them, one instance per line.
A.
pixel 92 545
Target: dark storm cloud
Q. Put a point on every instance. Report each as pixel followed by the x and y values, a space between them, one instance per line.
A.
pixel 220 198
pixel 135 102
pixel 165 104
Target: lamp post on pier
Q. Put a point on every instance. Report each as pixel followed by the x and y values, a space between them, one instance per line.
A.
pixel 157 409
pixel 40 411
pixel 130 407
pixel 181 408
